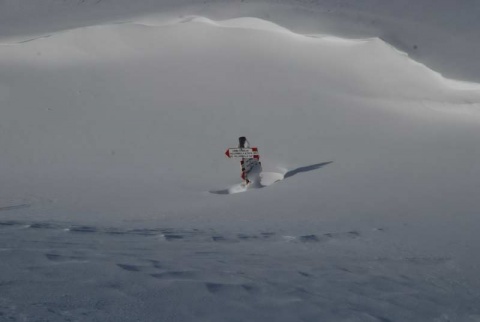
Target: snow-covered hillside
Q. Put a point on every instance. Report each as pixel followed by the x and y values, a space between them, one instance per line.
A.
pixel 114 197
pixel 440 33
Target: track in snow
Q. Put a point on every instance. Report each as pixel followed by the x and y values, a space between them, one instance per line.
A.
pixel 269 178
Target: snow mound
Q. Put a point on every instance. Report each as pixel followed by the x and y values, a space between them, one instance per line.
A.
pixel 266 179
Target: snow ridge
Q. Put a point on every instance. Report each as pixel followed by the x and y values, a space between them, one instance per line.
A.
pixel 256 24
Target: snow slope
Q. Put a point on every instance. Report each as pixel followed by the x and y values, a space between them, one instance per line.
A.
pixel 113 138
pixel 440 33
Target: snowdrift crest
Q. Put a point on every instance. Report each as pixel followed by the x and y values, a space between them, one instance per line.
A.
pixel 114 33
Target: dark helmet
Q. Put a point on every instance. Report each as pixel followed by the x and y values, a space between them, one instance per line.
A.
pixel 241 141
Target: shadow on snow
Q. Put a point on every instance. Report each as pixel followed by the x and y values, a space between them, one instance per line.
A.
pixel 241 188
pixel 307 168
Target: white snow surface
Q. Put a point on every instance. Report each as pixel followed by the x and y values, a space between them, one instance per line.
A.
pixel 118 204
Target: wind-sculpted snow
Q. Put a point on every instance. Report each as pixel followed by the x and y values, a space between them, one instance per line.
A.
pixel 129 275
pixel 127 106
pixel 112 139
pixel 443 35
pixel 129 40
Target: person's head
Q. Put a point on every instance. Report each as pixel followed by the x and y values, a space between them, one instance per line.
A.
pixel 241 141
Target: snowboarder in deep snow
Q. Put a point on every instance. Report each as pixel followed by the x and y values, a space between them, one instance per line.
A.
pixel 251 167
